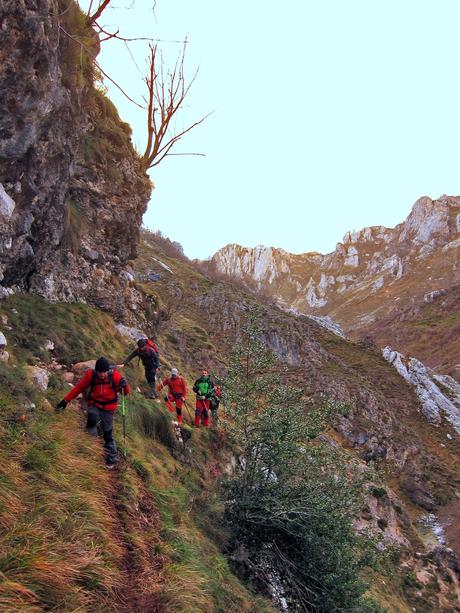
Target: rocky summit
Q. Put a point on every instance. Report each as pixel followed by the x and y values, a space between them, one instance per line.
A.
pixel 377 283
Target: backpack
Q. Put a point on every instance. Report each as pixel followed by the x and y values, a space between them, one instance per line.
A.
pixel 217 391
pixel 89 390
pixel 151 344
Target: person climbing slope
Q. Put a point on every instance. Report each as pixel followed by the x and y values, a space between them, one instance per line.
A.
pixel 147 352
pixel 102 386
pixel 215 402
pixel 203 388
pixel 177 392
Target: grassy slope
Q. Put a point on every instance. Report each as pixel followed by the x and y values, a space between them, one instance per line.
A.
pixel 76 537
pixel 145 536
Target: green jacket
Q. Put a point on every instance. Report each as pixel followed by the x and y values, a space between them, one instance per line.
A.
pixel 203 387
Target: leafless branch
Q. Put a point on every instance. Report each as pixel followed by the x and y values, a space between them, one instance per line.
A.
pixel 165 98
pixel 95 16
pixel 116 35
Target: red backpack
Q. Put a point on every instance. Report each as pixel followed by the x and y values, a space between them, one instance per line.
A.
pixel 151 344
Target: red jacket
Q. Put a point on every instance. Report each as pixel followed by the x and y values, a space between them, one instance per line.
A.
pixel 102 394
pixel 176 385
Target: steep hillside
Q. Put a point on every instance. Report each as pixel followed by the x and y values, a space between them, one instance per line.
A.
pixel 374 277
pixel 385 425
pixel 72 188
pixel 149 536
pixel 75 537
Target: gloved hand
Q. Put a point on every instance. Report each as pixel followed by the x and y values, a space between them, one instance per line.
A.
pixel 61 406
pixel 123 383
pixel 183 399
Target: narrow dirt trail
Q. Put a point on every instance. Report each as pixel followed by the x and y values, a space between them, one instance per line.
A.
pixel 137 525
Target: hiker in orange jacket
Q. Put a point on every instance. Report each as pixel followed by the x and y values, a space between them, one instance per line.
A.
pixel 102 386
pixel 177 392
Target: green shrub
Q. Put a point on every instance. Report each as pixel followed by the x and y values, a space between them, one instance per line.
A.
pixel 377 492
pixel 382 523
pixel 291 507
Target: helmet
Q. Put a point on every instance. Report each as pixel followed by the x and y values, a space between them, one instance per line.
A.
pixel 142 342
pixel 174 372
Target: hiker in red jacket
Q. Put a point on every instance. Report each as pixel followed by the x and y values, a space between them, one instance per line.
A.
pixel 177 392
pixel 102 386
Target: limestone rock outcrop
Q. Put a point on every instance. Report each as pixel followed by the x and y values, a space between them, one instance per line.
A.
pixel 72 188
pixel 439 394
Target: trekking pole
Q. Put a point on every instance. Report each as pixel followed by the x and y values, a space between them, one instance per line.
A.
pixel 123 414
pixel 189 414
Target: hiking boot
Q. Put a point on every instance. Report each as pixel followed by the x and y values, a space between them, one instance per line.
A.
pixel 110 466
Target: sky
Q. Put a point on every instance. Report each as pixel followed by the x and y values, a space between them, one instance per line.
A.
pixel 328 115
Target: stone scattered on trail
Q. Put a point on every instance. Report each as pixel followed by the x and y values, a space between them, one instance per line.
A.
pixel 5 292
pixel 4 355
pixel 39 376
pixel 49 345
pixel 69 377
pixel 81 367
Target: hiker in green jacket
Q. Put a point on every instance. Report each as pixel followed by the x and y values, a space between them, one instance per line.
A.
pixel 203 388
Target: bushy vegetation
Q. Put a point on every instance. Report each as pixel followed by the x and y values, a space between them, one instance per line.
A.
pixel 290 507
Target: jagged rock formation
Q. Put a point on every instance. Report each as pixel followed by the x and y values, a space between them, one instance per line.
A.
pixel 72 188
pixel 373 274
pixel 439 394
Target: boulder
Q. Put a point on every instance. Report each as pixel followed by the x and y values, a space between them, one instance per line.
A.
pixel 49 345
pixel 69 377
pixel 81 367
pixel 39 376
pixel 7 204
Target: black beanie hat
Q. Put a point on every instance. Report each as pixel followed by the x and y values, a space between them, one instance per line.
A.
pixel 102 365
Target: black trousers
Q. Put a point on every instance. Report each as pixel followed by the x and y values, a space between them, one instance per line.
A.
pixel 150 377
pixel 105 419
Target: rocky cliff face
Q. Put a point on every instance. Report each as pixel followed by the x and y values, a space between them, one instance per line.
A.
pixel 372 274
pixel 72 189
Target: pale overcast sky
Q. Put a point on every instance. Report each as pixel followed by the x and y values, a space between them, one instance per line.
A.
pixel 330 115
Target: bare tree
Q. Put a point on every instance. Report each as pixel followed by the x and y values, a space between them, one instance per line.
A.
pixel 165 94
pixel 92 18
pixel 166 97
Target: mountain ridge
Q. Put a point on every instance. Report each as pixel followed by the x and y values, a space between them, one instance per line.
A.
pixel 374 274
